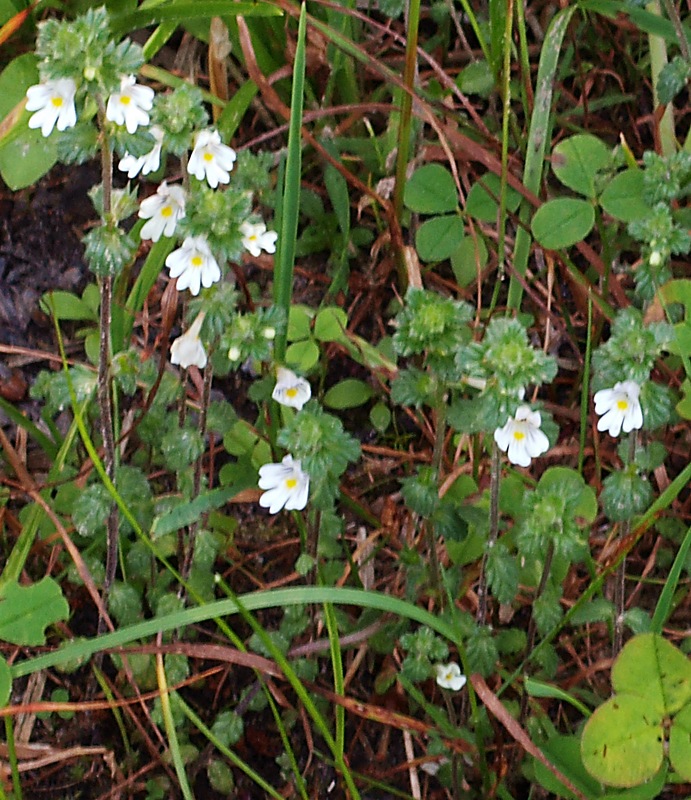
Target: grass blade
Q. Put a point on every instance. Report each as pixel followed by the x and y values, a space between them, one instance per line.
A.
pixel 290 205
pixel 538 137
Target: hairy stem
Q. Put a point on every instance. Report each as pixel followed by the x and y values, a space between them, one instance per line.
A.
pixel 105 388
pixel 495 473
pixel 620 575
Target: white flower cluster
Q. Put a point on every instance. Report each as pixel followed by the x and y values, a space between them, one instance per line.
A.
pixel 287 484
pixel 193 264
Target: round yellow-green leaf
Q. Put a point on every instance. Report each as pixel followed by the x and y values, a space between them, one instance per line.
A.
pixel 655 669
pixel 622 743
pixel 680 743
pixel 562 222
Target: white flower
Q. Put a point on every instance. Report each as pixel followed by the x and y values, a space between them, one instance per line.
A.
pixel 269 333
pixel 147 163
pixel 288 486
pixel 449 676
pixel 162 210
pixel 193 265
pixel 53 102
pixel 130 105
pixel 522 437
pixel 256 238
pixel 187 350
pixel 234 353
pixel 619 408
pixel 290 390
pixel 211 159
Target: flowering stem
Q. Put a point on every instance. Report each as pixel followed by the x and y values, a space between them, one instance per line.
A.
pixel 105 398
pixel 532 627
pixel 437 455
pixel 620 575
pixel 198 468
pixel 495 473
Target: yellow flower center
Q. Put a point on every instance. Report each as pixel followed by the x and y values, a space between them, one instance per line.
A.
pixel 291 483
pixel 292 392
pixel 197 261
pixel 208 157
pixel 166 211
pixel 518 436
pixel 622 405
pixel 57 101
pixel 125 99
pixel 252 238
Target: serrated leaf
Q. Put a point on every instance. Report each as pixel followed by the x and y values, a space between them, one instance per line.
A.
pixel 437 238
pixel 562 222
pixel 431 190
pixel 26 611
pixel 577 160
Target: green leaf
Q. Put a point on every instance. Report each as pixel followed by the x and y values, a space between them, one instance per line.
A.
pixel 15 79
pixel 623 196
pixel 299 323
pixel 680 743
pixel 652 667
pixel 622 743
pixel 431 190
pixel 26 611
pixel 564 753
pixel 563 222
pixel 5 682
pixel 468 259
pixel 380 417
pixel 577 160
pixel 349 393
pixel 302 356
pixel 437 238
pixel 330 324
pixel 26 158
pixel 481 203
pixel 476 78
pixel 67 306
